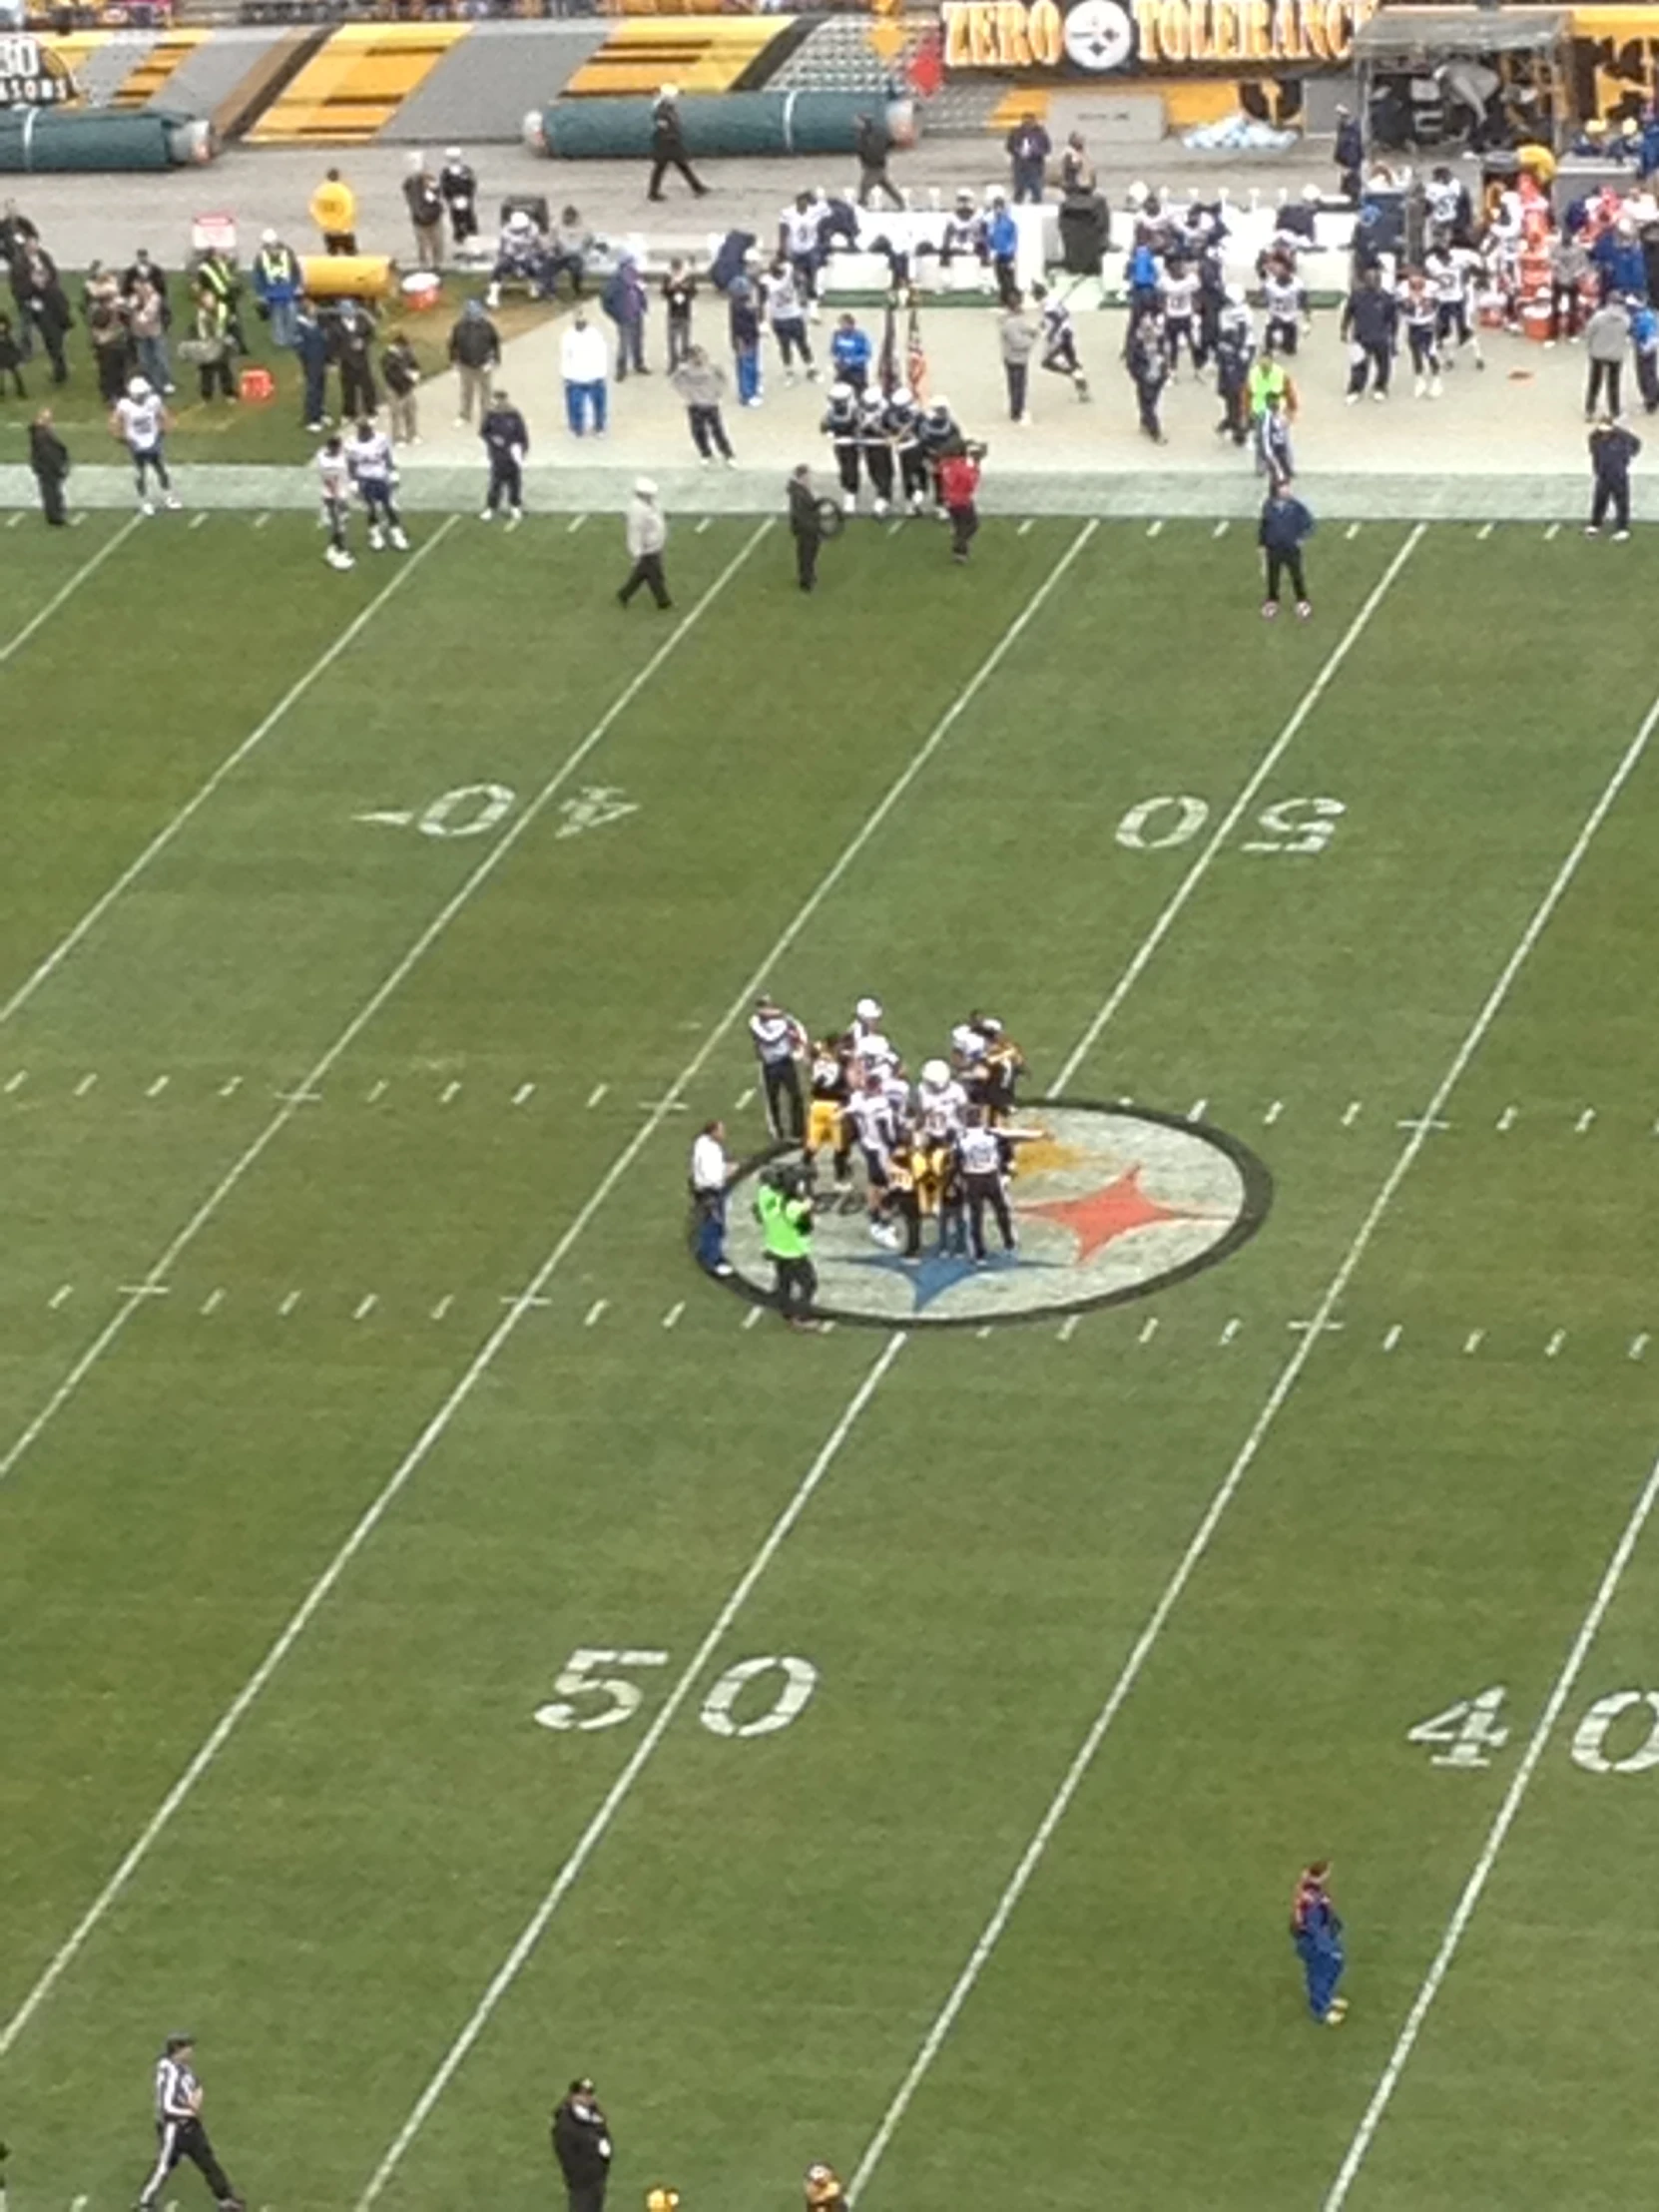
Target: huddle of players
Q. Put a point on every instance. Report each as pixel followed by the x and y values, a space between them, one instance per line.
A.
pixel 364 461
pixel 896 440
pixel 937 1150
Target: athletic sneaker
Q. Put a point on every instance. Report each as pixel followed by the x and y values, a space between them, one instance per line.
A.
pixel 515 515
pixel 1304 608
pixel 337 557
pixel 400 541
pixel 1269 609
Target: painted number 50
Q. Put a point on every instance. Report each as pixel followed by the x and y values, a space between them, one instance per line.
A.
pixel 1291 825
pixel 595 1691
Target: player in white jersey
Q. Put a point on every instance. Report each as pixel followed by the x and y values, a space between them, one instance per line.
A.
pixel 871 1111
pixel 334 480
pixel 1178 293
pixel 141 422
pixel 1420 310
pixel 376 477
pixel 1450 270
pixel 800 241
pixel 1059 340
pixel 941 1102
pixel 1285 298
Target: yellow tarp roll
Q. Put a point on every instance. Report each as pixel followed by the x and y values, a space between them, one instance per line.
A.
pixel 342 275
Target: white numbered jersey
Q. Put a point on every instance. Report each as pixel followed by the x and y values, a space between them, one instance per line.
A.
pixel 783 299
pixel 941 1107
pixel 800 230
pixel 1450 273
pixel 872 1118
pixel 1179 295
pixel 370 458
pixel 1418 306
pixel 141 422
pixel 334 475
pixel 1282 297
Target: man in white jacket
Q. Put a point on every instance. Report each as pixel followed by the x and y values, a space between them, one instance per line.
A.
pixel 647 536
pixel 584 363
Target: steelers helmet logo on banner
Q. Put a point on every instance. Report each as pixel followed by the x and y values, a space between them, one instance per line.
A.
pixel 1099 35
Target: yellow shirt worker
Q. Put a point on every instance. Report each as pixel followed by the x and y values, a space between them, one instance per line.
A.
pixel 335 212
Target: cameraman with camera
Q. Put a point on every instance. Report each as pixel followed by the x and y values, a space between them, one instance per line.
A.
pixel 784 1209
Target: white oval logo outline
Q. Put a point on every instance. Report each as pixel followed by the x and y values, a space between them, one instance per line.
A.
pixel 1114 1203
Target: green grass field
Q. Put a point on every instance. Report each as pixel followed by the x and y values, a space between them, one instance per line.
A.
pixel 354 1376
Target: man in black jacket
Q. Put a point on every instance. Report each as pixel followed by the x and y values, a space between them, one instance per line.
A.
pixel 873 145
pixel 506 441
pixel 1369 322
pixel 582 2145
pixel 49 458
pixel 1612 450
pixel 668 144
pixel 806 526
pixel 1285 528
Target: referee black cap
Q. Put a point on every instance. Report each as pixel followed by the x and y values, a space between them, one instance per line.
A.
pixel 180 2043
pixel 582 2087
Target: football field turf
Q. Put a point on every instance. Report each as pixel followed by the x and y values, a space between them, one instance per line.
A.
pixel 373 946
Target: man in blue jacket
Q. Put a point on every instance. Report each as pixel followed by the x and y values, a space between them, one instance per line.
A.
pixel 1002 245
pixel 1316 1932
pixel 849 354
pixel 1369 322
pixel 1612 450
pixel 1285 528
pixel 506 441
pixel 311 345
pixel 1028 147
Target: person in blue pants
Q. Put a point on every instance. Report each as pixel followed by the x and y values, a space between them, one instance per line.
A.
pixel 1316 1932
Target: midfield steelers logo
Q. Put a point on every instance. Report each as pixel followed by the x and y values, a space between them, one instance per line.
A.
pixel 1110 1203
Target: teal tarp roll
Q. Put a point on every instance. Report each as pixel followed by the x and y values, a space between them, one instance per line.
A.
pixel 43 140
pixel 713 123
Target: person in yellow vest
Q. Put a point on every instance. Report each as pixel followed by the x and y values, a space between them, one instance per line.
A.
pixel 335 212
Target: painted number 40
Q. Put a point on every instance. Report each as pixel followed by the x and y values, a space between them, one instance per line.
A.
pixel 595 1690
pixel 1619 1734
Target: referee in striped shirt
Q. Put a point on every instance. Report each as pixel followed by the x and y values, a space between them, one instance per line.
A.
pixel 178 2130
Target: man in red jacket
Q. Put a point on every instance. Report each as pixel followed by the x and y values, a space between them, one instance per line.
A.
pixel 959 476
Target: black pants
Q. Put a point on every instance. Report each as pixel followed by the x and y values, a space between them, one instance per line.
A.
pixel 340 242
pixel 847 464
pixel 708 432
pixel 781 1082
pixel 1614 492
pixel 660 169
pixel 807 543
pixel 215 376
pixel 964 521
pixel 879 468
pixel 1604 376
pixel 647 569
pixel 678 339
pixel 358 396
pixel 1147 397
pixel 1018 375
pixel 1281 565
pixel 16 375
pixel 112 372
pixel 1007 284
pixel 51 497
pixel 51 337
pixel 180 2139
pixel 912 469
pixel 874 178
pixel 586 2196
pixel 1374 361
pixel 506 484
pixel 1566 296
pixel 984 1191
pixel 797 1286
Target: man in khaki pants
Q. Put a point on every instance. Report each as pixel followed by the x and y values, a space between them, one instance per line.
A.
pixel 475 354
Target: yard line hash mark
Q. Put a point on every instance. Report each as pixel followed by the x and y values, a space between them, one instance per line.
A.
pixel 395 977
pixel 68 589
pixel 227 767
pixel 1223 832
pixel 1496 1836
pixel 594 1833
pixel 1199 1544
pixel 483 1360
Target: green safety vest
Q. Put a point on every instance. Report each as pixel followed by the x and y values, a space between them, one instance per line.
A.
pixel 786 1223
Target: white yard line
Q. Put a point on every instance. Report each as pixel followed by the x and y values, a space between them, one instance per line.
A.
pixel 1234 814
pixel 68 589
pixel 485 1356
pixel 1496 1836
pixel 1072 1781
pixel 390 984
pixel 594 1833
pixel 227 767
